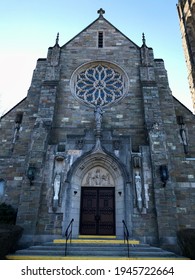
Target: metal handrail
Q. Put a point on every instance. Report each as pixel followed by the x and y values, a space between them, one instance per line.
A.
pixel 126 236
pixel 68 234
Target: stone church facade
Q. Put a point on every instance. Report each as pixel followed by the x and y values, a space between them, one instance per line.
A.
pixel 99 139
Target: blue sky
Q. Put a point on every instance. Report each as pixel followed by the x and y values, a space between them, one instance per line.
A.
pixel 28 28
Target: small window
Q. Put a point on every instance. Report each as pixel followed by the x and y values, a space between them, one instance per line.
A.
pixel 100 39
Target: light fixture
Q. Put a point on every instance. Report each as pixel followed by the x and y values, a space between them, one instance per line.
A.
pixel 31 174
pixel 164 174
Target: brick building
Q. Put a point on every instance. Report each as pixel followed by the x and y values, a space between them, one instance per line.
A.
pixel 99 139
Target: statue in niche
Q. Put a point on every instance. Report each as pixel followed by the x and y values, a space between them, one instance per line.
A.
pixel 183 136
pixel 56 187
pixel 98 116
pixel 184 140
pixel 60 169
pixel 138 188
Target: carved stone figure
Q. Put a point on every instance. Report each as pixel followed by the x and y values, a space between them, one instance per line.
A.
pixel 98 116
pixel 146 187
pixel 89 179
pixel 138 188
pixel 184 139
pixel 98 177
pixel 57 182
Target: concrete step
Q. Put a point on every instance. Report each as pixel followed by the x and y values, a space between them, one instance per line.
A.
pixel 92 249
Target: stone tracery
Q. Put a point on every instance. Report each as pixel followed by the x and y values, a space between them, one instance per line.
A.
pixel 99 84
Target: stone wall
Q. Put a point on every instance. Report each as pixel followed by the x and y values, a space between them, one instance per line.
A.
pixel 146 130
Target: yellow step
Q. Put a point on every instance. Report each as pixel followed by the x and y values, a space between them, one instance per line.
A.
pixel 97 241
pixel 97 236
pixel 33 257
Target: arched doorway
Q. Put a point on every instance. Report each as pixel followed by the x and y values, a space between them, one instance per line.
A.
pixel 97 186
pixel 97 211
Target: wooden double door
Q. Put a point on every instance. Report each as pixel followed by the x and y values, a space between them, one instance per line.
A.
pixel 97 211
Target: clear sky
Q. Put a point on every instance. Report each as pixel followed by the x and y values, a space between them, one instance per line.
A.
pixel 29 28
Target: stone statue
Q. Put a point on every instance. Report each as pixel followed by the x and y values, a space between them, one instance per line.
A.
pixel 57 183
pixel 138 188
pixel 184 140
pixel 146 187
pixel 98 116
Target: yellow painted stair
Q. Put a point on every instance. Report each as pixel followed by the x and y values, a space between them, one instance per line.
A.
pixel 91 239
pixel 92 248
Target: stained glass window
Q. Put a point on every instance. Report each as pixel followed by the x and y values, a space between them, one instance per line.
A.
pixel 99 84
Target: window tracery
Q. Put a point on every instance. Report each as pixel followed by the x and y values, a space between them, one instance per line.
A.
pixel 99 84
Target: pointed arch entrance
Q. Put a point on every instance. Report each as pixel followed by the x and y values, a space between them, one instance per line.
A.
pixel 97 212
pixel 97 196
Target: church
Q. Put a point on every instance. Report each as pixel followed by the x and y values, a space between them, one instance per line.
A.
pixel 101 140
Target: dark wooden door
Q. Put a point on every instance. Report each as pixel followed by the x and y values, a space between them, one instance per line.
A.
pixel 97 211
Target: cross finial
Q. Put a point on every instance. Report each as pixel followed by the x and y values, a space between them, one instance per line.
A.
pixel 101 12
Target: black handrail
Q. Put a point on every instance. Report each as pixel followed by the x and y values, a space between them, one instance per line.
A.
pixel 126 235
pixel 68 234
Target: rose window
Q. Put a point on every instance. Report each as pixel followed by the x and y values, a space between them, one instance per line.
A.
pixel 99 83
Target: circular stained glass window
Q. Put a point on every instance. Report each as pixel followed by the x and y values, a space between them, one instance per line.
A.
pixel 99 83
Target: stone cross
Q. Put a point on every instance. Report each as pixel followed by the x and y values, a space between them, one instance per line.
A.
pixel 101 12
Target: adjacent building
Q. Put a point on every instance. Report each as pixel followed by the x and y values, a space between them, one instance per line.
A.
pixel 186 12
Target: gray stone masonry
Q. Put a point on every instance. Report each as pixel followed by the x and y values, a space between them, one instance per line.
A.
pixel 57 135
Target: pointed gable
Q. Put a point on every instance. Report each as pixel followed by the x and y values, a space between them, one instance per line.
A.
pixel 90 36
